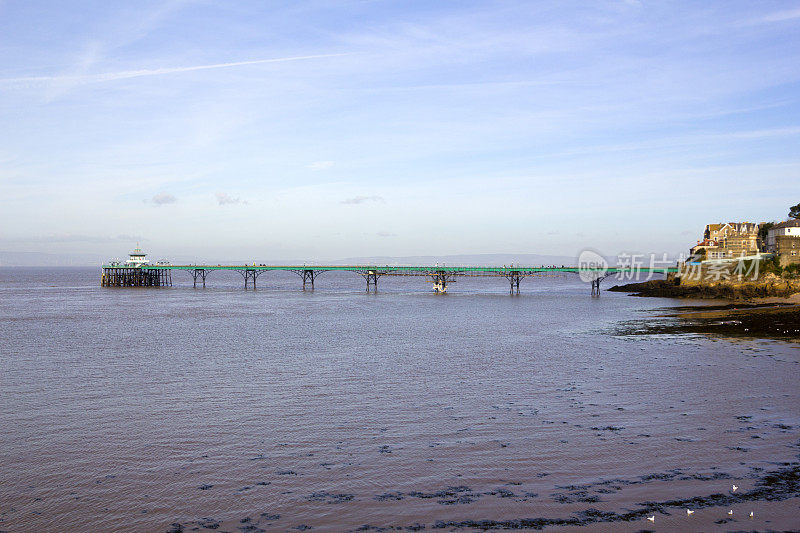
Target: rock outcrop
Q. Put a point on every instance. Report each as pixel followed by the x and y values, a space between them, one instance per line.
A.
pixel 768 285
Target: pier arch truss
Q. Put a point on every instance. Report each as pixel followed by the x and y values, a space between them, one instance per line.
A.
pixel 596 279
pixel 308 275
pixel 250 275
pixel 198 273
pixel 371 275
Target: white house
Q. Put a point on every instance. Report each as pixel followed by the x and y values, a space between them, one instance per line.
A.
pixel 790 228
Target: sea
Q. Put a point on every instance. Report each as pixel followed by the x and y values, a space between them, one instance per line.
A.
pixel 277 409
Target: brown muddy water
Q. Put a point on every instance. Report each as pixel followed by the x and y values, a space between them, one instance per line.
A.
pixel 277 410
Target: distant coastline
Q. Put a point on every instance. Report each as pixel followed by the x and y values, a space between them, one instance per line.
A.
pixel 33 259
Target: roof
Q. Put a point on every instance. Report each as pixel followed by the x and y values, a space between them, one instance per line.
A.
pixel 794 223
pixel 719 226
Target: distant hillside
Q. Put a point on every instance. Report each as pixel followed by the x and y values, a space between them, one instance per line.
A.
pixel 465 259
pixel 77 259
pixel 52 260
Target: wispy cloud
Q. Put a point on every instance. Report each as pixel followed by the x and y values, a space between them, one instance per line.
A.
pixel 226 199
pixel 320 165
pixel 362 199
pixel 493 103
pixel 756 134
pixel 163 198
pixel 782 15
pixel 125 74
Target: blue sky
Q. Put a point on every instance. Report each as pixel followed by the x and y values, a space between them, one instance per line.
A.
pixel 322 129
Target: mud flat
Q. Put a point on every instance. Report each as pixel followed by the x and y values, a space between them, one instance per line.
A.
pixel 770 495
pixel 766 320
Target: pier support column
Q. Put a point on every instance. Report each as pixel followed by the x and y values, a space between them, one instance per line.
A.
pixel 440 281
pixel 152 277
pixel 596 285
pixel 309 276
pixel 439 284
pixel 372 278
pixel 514 277
pixel 166 277
pixel 250 274
pixel 198 273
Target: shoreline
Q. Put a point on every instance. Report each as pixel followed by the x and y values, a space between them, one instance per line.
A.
pixel 751 310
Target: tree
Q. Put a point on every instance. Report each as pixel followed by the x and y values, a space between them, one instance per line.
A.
pixel 794 211
pixel 763 230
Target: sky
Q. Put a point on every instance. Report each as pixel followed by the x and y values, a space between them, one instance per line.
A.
pixel 317 130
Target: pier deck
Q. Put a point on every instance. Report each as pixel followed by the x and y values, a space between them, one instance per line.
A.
pixel 157 275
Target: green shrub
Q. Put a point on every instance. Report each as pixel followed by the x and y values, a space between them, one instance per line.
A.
pixel 792 270
pixel 771 266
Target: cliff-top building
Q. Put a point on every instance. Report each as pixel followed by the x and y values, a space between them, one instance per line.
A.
pixel 783 239
pixel 728 240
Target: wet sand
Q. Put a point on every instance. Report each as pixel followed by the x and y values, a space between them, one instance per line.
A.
pixel 772 496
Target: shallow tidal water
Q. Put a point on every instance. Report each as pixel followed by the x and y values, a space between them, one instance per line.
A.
pixel 168 409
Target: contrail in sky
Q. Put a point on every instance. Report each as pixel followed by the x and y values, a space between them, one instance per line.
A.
pixel 111 76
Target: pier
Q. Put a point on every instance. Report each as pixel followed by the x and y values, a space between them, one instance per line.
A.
pixel 138 271
pixel 126 276
pixel 160 275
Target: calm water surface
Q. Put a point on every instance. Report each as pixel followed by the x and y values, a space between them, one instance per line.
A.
pixel 282 410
